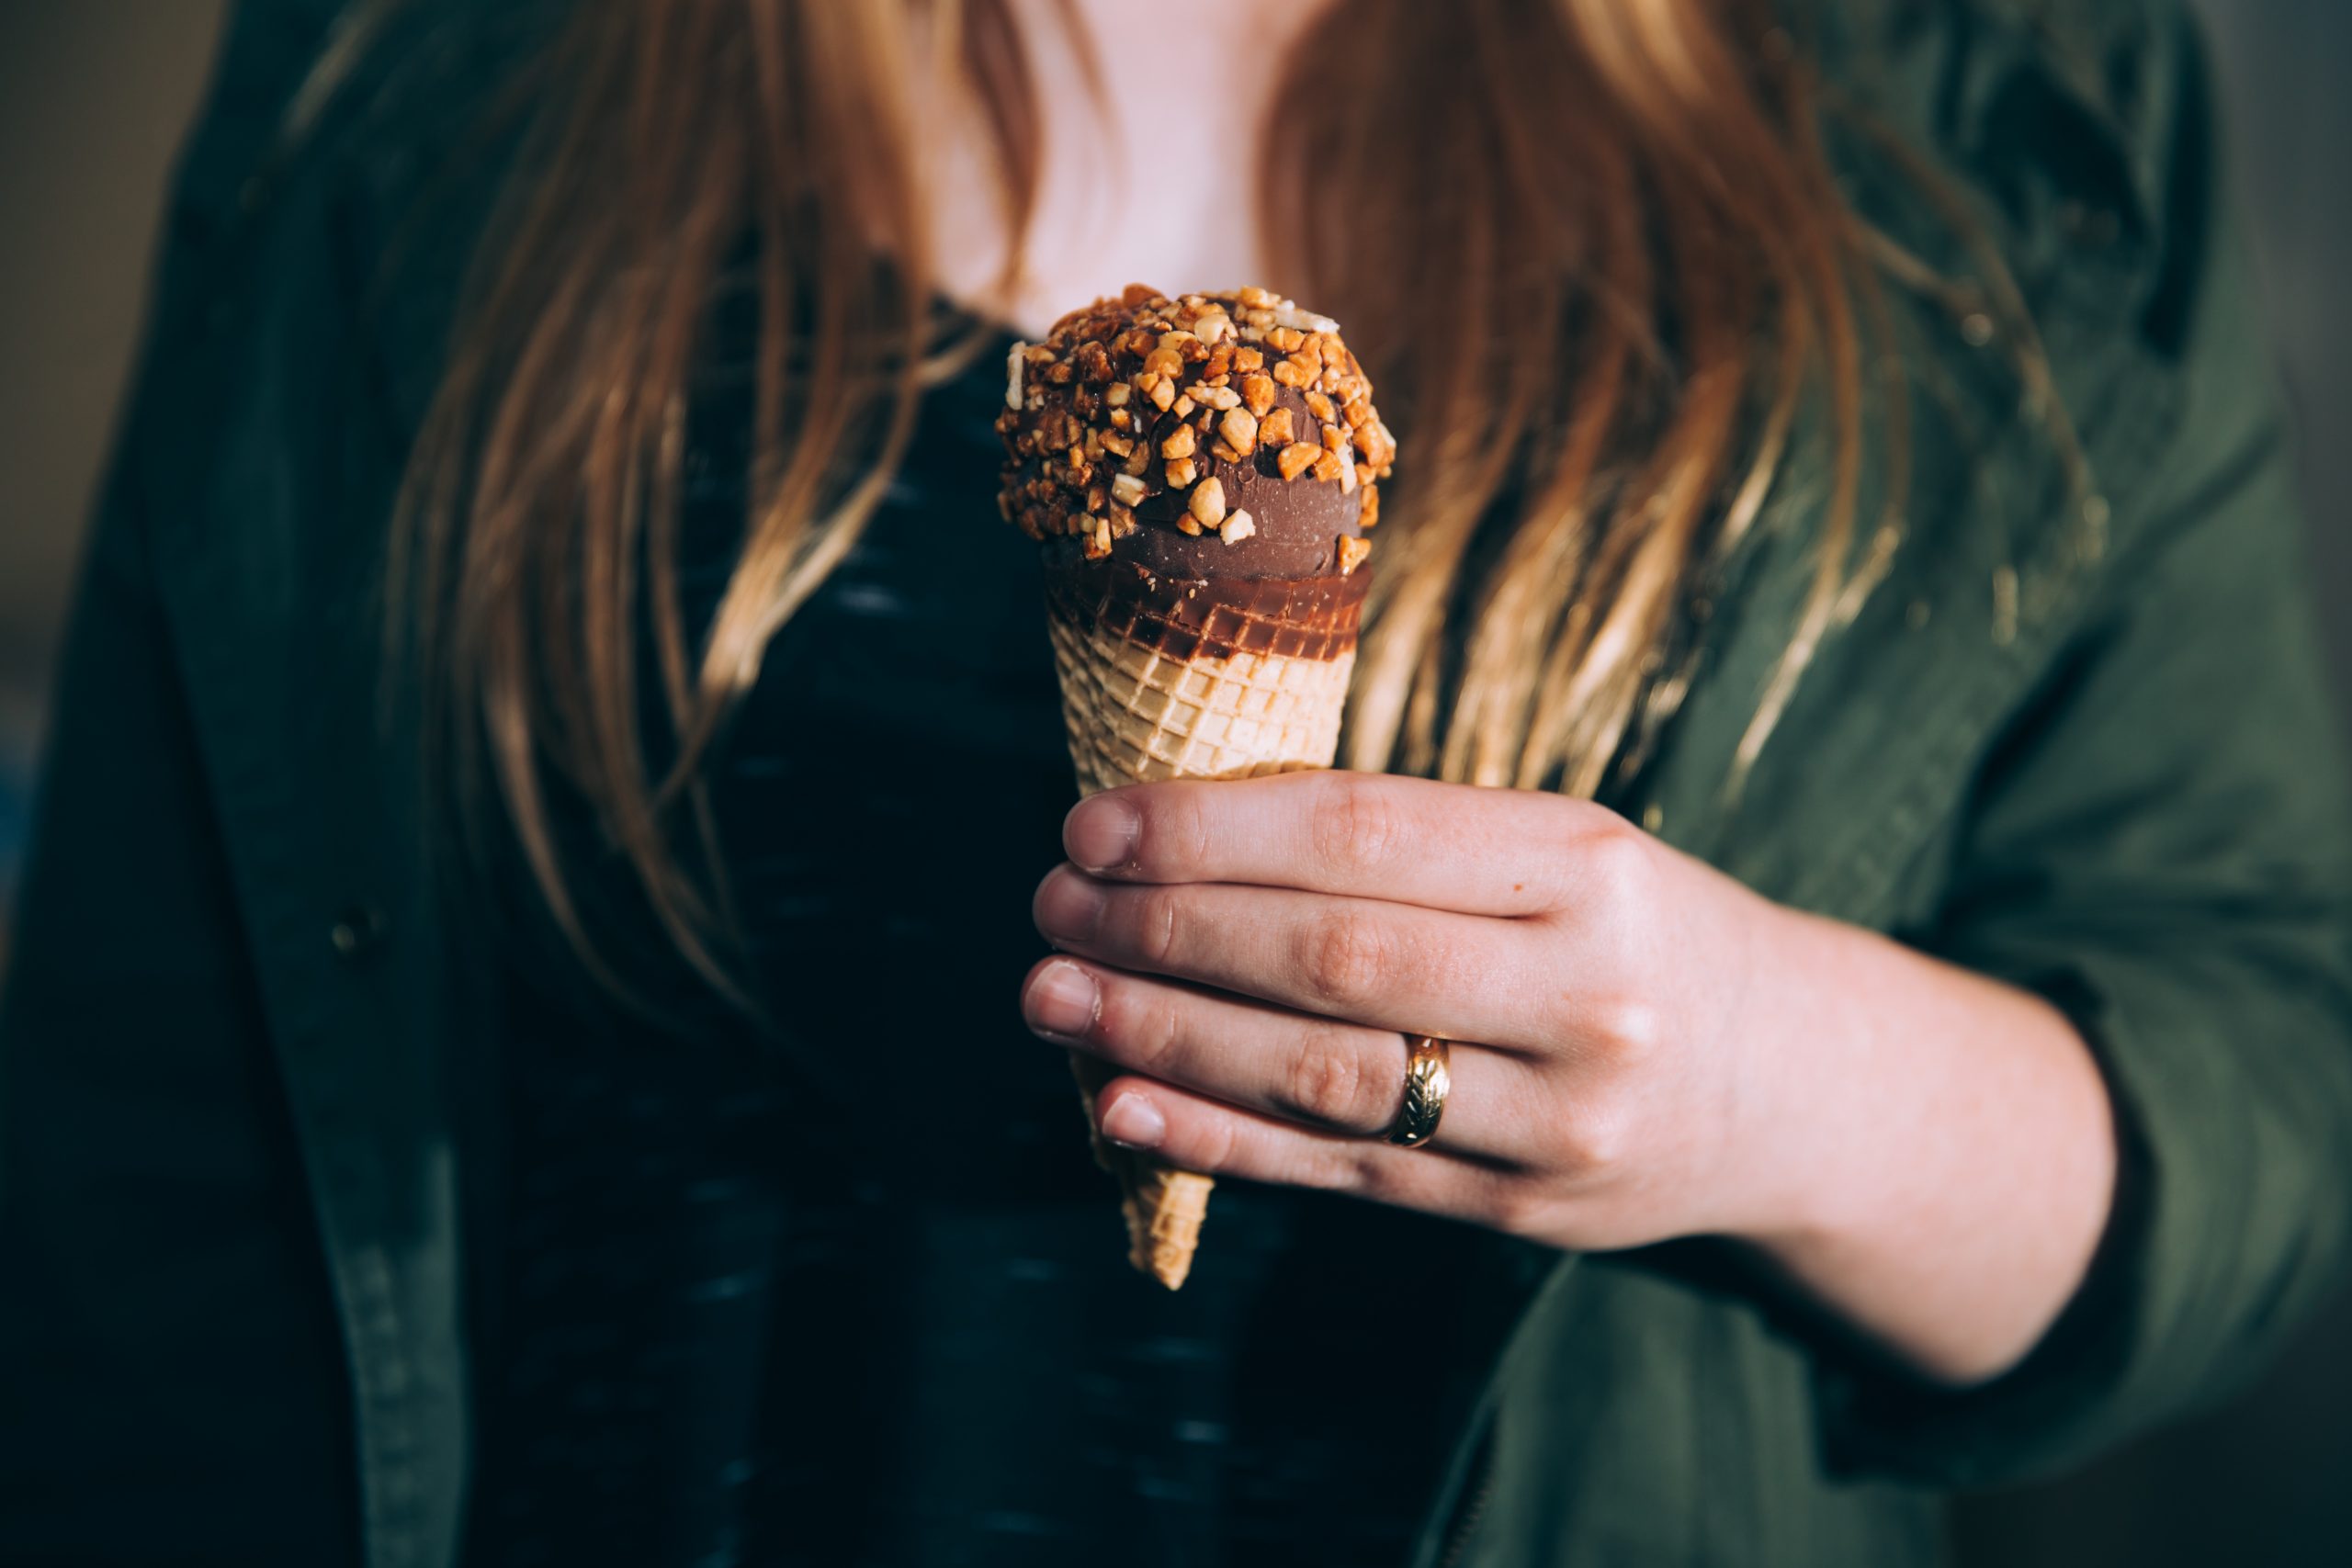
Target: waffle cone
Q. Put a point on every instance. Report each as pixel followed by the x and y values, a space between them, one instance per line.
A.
pixel 1165 678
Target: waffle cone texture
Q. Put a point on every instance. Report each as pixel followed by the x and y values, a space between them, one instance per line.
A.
pixel 1165 678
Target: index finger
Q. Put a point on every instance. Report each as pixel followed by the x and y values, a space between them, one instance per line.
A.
pixel 1472 850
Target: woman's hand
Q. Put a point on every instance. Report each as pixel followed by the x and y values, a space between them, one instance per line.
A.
pixel 1260 948
pixel 1643 1048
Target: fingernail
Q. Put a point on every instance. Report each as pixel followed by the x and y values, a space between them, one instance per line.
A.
pixel 1061 1001
pixel 1099 834
pixel 1135 1122
pixel 1069 908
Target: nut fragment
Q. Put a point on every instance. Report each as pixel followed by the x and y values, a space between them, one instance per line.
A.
pixel 1275 430
pixel 1258 392
pixel 1184 525
pixel 1181 473
pixel 1288 372
pixel 1238 527
pixel 1126 490
pixel 1371 513
pixel 1180 444
pixel 1321 407
pixel 1351 553
pixel 1161 392
pixel 1116 395
pixel 1328 467
pixel 1288 339
pixel 1207 505
pixel 1296 458
pixel 1239 429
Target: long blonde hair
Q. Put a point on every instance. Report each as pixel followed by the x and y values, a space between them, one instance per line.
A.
pixel 1623 206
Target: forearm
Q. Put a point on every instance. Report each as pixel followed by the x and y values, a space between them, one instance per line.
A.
pixel 1938 1147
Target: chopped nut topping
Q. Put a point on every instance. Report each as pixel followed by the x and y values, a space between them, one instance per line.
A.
pixel 1184 525
pixel 1083 421
pixel 1351 553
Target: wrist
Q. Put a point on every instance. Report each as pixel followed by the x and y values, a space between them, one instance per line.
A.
pixel 1794 1081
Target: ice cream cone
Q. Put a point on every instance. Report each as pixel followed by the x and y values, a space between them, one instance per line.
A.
pixel 1200 475
pixel 1173 678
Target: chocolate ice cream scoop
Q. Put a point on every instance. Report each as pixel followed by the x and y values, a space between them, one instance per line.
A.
pixel 1211 435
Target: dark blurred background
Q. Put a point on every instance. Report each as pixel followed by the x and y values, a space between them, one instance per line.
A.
pixel 94 97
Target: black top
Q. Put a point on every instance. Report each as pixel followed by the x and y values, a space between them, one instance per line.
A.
pixel 859 1294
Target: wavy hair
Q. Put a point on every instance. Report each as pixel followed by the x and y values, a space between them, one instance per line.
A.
pixel 1591 250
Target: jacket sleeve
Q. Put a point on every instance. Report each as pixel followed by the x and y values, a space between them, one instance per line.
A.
pixel 2161 846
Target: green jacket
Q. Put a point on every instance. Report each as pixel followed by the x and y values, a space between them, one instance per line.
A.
pixel 2074 737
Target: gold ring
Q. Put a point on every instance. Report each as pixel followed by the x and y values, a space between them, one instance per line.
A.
pixel 1427 1081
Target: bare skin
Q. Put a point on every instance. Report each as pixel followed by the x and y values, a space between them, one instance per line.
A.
pixel 1645 1049
pixel 1121 199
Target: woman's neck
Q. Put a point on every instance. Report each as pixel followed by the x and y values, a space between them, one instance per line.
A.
pixel 1154 182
